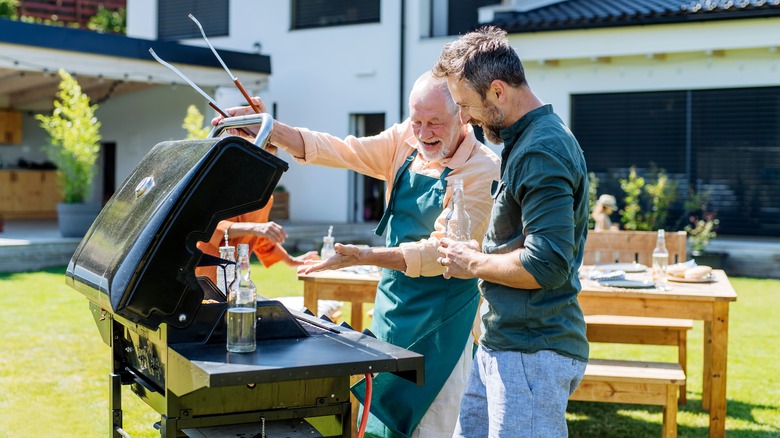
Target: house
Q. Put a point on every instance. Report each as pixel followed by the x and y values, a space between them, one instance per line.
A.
pixel 690 86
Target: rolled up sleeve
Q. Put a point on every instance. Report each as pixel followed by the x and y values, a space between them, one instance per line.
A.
pixel 548 218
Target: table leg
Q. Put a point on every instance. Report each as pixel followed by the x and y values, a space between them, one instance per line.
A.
pixel 357 316
pixel 311 295
pixel 719 357
pixel 706 381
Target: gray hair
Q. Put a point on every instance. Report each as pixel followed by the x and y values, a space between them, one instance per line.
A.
pixel 428 83
pixel 480 57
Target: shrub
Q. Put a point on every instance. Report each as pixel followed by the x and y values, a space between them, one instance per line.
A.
pixel 8 9
pixel 193 124
pixel 647 203
pixel 107 20
pixel 74 139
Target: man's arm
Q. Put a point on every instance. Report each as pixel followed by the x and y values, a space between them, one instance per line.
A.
pixel 465 260
pixel 351 255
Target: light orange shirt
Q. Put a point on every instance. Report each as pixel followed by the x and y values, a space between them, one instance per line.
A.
pixel 381 156
pixel 267 251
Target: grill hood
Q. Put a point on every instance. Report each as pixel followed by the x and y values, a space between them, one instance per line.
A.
pixel 139 256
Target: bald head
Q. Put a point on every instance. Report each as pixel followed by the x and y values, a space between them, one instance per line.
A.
pixel 435 118
pixel 432 90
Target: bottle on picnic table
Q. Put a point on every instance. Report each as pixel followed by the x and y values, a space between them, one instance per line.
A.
pixel 660 261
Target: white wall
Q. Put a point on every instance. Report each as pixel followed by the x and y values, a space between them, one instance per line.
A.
pixel 138 121
pixel 318 78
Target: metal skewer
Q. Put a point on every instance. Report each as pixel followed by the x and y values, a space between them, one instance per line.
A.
pixel 212 102
pixel 233 78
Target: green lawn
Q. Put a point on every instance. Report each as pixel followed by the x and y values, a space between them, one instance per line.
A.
pixel 54 367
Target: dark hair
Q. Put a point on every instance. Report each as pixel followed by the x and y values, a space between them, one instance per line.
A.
pixel 480 57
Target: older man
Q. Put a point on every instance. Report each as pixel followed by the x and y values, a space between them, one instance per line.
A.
pixel 416 307
pixel 533 348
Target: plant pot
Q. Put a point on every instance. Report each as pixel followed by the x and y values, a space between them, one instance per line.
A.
pixel 713 259
pixel 75 219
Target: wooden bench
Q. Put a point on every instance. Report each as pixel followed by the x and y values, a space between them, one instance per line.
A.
pixel 637 246
pixel 646 331
pixel 647 383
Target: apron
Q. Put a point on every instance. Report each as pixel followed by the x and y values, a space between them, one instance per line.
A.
pixel 424 314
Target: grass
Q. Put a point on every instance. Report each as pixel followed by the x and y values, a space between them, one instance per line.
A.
pixel 54 366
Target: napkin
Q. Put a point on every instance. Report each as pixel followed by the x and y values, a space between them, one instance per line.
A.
pixel 599 275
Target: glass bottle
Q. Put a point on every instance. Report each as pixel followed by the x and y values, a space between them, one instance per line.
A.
pixel 458 224
pixel 226 275
pixel 660 261
pixel 242 307
pixel 328 250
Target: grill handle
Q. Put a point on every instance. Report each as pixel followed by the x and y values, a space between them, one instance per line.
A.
pixel 265 121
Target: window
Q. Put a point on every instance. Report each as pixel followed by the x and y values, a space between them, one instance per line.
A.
pixel 307 14
pixel 455 17
pixel 725 142
pixel 173 23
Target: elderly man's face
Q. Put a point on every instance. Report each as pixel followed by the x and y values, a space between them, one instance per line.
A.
pixel 436 126
pixel 477 111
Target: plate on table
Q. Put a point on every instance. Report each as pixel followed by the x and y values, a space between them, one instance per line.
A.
pixel 626 267
pixel 630 284
pixel 708 279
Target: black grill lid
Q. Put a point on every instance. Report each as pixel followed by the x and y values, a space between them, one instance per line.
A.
pixel 138 257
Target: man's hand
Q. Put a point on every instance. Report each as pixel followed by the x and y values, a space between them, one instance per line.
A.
pixel 457 256
pixel 346 255
pixel 270 230
pixel 241 111
pixel 301 259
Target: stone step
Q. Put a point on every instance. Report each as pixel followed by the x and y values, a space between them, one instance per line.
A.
pixel 35 256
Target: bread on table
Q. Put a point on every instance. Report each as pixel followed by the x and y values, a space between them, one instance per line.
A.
pixel 698 273
pixel 677 270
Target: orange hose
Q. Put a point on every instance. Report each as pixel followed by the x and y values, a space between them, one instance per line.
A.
pixel 366 408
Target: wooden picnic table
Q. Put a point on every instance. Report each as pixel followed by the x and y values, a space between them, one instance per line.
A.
pixel 341 285
pixel 708 302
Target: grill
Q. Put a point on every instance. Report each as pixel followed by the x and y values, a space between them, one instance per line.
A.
pixel 136 267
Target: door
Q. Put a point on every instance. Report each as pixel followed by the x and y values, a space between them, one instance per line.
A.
pixel 366 194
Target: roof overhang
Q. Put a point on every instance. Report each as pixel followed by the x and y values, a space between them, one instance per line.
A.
pixel 106 64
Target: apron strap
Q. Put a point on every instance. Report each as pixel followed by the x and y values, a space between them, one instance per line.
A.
pixel 380 228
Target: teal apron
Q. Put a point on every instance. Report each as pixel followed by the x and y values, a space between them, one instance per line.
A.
pixel 428 315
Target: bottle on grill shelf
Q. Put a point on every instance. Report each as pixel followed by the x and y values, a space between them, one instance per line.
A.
pixel 226 275
pixel 660 261
pixel 242 307
pixel 458 226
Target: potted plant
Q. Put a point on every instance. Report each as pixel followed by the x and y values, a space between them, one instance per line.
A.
pixel 74 146
pixel 701 230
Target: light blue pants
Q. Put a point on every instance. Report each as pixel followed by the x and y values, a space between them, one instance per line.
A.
pixel 512 394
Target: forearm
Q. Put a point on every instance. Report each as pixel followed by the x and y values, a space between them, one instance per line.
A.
pixel 288 138
pixel 240 229
pixel 390 258
pixel 504 269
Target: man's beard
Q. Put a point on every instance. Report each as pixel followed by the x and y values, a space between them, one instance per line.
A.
pixel 438 155
pixel 494 123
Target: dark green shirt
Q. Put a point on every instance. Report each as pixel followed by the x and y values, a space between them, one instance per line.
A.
pixel 541 205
